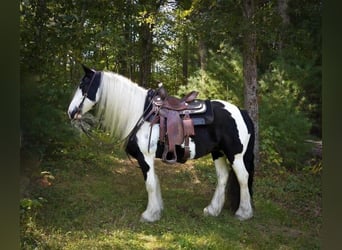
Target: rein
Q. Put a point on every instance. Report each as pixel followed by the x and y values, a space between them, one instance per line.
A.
pixel 140 122
pixel 143 117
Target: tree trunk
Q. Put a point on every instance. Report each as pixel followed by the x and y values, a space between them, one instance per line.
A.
pixel 203 54
pixel 250 71
pixel 146 56
pixel 146 38
pixel 185 58
pixel 282 10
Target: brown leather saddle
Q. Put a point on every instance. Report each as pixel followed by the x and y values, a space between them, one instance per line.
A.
pixel 176 124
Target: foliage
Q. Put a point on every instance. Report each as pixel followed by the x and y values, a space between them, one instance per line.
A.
pixel 222 79
pixel 30 234
pixel 57 36
pixel 44 123
pixel 225 65
pixel 207 86
pixel 283 126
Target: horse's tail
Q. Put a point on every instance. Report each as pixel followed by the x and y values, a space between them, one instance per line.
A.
pixel 233 186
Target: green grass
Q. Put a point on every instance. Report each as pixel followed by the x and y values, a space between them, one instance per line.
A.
pixel 97 196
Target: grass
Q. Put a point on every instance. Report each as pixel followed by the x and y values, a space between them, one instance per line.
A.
pixel 97 196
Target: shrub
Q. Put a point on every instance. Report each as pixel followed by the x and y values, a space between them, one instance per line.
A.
pixel 283 126
pixel 44 124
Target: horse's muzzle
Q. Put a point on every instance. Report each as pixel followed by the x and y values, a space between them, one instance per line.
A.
pixel 75 114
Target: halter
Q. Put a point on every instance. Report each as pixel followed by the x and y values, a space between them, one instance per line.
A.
pixel 79 108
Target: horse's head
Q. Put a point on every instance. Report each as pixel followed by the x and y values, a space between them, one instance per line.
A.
pixel 86 95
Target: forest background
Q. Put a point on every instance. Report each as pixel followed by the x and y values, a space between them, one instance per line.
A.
pixel 184 44
pixel 187 45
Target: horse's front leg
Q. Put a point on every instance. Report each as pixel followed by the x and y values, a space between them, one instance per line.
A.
pixel 155 202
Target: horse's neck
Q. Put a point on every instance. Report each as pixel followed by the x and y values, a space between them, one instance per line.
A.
pixel 121 104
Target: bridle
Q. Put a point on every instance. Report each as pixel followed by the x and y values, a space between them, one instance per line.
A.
pixel 85 95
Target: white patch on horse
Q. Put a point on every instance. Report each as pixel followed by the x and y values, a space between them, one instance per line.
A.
pixel 217 202
pixel 155 202
pixel 245 210
pixel 192 148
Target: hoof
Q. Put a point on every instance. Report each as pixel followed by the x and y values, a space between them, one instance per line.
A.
pixel 243 216
pixel 150 217
pixel 209 211
pixel 206 212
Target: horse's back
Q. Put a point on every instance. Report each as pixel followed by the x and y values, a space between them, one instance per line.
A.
pixel 231 116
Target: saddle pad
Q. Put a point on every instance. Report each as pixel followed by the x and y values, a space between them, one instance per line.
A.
pixel 204 118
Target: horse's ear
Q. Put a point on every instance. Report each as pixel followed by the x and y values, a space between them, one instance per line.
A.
pixel 87 70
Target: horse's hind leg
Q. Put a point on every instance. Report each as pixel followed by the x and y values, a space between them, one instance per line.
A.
pixel 245 210
pixel 218 199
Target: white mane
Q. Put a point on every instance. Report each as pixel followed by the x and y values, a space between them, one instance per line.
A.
pixel 121 104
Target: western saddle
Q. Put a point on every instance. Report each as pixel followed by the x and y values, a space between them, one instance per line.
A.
pixel 175 123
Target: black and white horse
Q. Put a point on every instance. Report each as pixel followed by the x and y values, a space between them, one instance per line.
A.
pixel 230 137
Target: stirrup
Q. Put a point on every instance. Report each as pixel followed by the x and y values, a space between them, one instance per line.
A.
pixel 166 152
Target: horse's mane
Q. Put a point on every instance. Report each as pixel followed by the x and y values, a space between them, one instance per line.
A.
pixel 121 104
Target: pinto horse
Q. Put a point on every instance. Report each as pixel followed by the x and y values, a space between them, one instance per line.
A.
pixel 122 106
